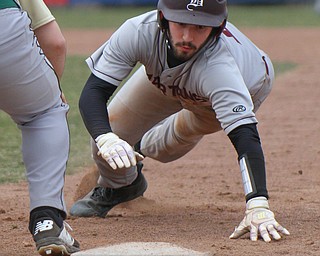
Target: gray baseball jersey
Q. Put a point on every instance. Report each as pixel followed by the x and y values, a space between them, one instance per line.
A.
pixel 202 81
pixel 30 94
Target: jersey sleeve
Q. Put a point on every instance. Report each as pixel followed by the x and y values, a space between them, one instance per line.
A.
pixel 133 42
pixel 227 92
pixel 38 12
pixel 115 59
pixel 92 105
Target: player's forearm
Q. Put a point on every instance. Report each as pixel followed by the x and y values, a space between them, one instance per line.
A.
pixel 53 44
pixel 251 160
pixel 92 106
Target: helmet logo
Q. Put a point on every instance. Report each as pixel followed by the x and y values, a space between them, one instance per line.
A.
pixel 193 4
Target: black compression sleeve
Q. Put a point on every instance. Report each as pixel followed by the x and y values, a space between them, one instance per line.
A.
pixel 246 141
pixel 92 105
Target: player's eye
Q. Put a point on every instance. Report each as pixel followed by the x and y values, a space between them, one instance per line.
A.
pixel 182 24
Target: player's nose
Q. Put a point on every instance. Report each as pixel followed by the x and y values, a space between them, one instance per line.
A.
pixel 187 35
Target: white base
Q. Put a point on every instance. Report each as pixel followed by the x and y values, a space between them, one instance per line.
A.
pixel 141 249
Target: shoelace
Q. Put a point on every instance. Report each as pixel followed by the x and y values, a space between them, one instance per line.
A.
pixel 67 225
pixel 66 236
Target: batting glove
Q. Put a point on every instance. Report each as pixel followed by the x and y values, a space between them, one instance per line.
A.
pixel 117 152
pixel 259 220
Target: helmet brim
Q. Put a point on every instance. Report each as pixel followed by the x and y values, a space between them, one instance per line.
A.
pixel 194 18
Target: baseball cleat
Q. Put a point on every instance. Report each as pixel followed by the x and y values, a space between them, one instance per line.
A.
pixel 50 238
pixel 62 245
pixel 100 200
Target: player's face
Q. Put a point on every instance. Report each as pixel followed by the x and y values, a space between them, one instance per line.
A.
pixel 187 39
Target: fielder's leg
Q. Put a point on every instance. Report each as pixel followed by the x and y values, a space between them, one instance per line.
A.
pixel 30 94
pixel 45 148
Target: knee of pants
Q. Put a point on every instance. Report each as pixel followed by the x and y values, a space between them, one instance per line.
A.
pixel 166 146
pixel 189 124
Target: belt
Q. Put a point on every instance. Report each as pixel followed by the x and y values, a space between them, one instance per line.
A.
pixel 8 4
pixel 265 63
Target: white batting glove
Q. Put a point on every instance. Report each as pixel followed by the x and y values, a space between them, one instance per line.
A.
pixel 117 152
pixel 259 220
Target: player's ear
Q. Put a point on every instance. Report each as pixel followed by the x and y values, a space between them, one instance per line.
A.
pixel 216 31
pixel 162 22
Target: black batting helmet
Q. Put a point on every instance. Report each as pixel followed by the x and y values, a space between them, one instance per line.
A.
pixel 210 13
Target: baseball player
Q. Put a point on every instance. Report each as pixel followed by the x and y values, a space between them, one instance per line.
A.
pixel 30 93
pixel 199 75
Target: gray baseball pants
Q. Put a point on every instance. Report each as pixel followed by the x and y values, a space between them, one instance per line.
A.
pixel 30 95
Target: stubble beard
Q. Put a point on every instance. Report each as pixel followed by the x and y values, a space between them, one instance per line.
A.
pixel 179 54
pixel 182 55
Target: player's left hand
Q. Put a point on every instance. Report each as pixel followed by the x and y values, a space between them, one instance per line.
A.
pixel 259 220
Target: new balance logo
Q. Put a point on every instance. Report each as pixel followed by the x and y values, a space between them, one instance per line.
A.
pixel 43 226
pixel 193 4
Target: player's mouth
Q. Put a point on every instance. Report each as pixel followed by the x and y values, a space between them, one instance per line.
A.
pixel 184 51
pixel 186 47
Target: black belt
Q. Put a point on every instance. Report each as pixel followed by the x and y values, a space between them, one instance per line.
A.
pixel 8 4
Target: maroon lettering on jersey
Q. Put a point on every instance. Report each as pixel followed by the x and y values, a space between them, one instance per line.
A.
pixel 176 91
pixel 187 95
pixel 156 82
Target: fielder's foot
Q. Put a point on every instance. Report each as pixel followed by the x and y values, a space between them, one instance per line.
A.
pixel 100 200
pixel 49 232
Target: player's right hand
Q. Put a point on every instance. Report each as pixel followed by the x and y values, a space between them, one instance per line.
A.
pixel 117 152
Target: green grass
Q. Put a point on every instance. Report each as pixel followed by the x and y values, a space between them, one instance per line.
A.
pixel 92 17
pixel 249 16
pixel 282 67
pixel 76 73
pixel 74 78
pixel 274 16
pixel 11 164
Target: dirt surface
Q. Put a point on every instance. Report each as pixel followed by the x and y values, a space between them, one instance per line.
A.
pixel 197 201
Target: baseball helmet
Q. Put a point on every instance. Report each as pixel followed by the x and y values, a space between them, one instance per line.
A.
pixel 211 13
